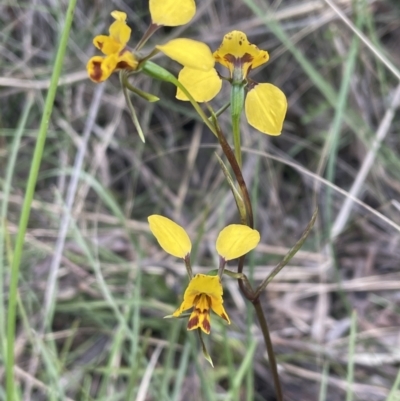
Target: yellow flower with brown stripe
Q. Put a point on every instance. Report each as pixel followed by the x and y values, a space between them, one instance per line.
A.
pixel 265 104
pixel 189 53
pixel 240 56
pixel 204 292
pixel 114 48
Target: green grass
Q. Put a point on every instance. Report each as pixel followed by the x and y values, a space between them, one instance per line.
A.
pixel 83 285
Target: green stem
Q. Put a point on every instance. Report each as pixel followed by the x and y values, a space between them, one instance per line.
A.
pixel 132 111
pixel 248 219
pixel 222 109
pixel 244 279
pixel 270 350
pixel 26 207
pixel 237 196
pixel 236 139
pixel 237 100
pixel 13 155
pixel 144 95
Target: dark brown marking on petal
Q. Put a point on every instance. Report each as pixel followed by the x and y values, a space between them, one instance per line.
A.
pixel 99 44
pixel 240 43
pixel 209 303
pixel 206 325
pixel 123 65
pixel 247 58
pixel 193 322
pixel 239 62
pixel 230 59
pixel 225 317
pixel 97 72
pixel 205 310
pixel 196 299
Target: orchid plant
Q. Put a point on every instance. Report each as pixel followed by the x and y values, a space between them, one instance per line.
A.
pixel 265 107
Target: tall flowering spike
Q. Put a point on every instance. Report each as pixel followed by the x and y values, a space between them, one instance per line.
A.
pixel 189 53
pixel 238 55
pixel 172 12
pixel 236 240
pixel 203 294
pixel 171 236
pixel 265 108
pixel 114 48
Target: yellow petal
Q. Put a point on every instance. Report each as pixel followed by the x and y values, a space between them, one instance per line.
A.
pixel 200 319
pixel 198 285
pixel 237 51
pixel 172 12
pixel 219 310
pixel 236 240
pixel 265 108
pixel 100 68
pixel 126 61
pixel 119 15
pixel 189 53
pixel 187 303
pixel 204 284
pixel 203 292
pixel 202 85
pixel 106 44
pixel 119 31
pixel 171 236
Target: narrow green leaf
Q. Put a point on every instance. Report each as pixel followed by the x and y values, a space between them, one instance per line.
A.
pixel 288 256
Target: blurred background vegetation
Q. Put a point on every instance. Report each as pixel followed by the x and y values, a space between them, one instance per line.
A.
pixel 106 289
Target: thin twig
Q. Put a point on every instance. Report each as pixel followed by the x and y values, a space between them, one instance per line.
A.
pixel 270 349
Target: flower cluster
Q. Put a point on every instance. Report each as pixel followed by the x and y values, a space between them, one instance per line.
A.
pixel 265 104
pixel 204 292
pixel 114 48
pixel 163 13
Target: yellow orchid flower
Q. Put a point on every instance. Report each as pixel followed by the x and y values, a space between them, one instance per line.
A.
pixel 187 52
pixel 114 48
pixel 265 104
pixel 204 292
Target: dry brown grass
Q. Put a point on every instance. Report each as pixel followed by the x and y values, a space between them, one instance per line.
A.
pixel 108 340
